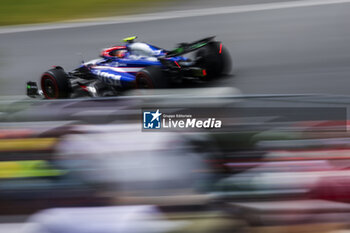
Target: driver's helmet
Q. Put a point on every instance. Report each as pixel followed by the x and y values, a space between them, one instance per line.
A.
pixel 120 53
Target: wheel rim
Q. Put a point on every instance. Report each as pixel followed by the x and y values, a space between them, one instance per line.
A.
pixel 143 82
pixel 50 88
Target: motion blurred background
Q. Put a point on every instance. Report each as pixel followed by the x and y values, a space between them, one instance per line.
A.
pixel 85 165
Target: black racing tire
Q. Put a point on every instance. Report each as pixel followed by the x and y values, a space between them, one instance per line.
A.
pixel 55 84
pixel 151 77
pixel 215 59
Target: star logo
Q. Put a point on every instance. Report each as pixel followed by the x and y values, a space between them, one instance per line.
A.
pixel 156 115
pixel 151 119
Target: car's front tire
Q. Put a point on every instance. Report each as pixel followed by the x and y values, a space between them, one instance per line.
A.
pixel 55 84
pixel 151 77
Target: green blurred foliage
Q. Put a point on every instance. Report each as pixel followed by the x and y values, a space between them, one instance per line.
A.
pixel 39 11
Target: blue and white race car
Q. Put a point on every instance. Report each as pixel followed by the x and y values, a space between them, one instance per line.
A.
pixel 135 65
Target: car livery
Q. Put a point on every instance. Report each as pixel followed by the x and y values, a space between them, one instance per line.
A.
pixel 134 65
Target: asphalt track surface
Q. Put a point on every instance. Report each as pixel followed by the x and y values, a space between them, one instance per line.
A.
pixel 279 51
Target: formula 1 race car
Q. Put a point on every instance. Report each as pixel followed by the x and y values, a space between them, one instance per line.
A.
pixel 135 65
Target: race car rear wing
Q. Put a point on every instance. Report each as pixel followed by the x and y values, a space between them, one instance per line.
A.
pixel 189 47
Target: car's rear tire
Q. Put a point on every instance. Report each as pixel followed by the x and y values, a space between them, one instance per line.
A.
pixel 151 77
pixel 55 84
pixel 215 59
